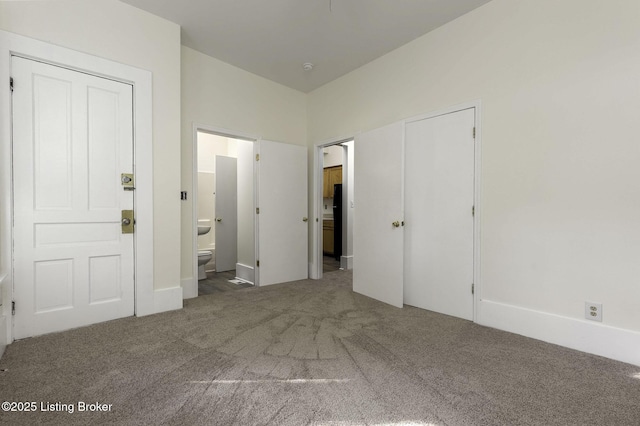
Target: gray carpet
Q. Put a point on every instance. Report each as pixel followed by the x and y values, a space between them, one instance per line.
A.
pixel 311 352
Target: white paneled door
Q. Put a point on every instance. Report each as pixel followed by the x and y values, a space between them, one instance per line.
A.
pixel 283 218
pixel 72 139
pixel 377 228
pixel 439 197
pixel 226 221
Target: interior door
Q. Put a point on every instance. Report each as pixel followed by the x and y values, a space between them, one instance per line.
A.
pixel 439 199
pixel 377 228
pixel 226 222
pixel 72 139
pixel 282 219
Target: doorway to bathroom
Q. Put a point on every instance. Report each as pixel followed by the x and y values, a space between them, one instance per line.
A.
pixel 225 198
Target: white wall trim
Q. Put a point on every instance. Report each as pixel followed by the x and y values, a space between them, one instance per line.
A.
pixel 167 299
pixel 13 44
pixel 188 287
pixel 315 266
pixel 582 335
pixel 346 262
pixel 245 272
pixel 4 339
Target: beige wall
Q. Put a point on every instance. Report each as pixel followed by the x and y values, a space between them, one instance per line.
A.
pixel 219 95
pixel 116 31
pixel 558 82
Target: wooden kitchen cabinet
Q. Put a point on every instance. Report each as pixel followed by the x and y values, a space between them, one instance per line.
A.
pixel 327 237
pixel 331 176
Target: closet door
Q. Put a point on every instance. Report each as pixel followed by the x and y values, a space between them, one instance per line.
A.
pixel 439 196
pixel 378 216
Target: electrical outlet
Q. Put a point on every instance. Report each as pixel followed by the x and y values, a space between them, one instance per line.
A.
pixel 593 311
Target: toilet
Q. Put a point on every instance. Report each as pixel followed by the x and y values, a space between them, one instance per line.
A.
pixel 204 256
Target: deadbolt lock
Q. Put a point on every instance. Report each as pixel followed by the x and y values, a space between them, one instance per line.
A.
pixel 127 181
pixel 127 221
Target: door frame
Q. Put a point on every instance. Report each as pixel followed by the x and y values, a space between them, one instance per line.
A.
pixel 316 193
pixel 477 105
pixel 15 45
pixel 190 290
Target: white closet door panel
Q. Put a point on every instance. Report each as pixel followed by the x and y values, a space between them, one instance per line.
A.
pixel 439 196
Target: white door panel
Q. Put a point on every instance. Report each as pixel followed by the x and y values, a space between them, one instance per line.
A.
pixel 439 196
pixel 72 137
pixel 282 228
pixel 377 244
pixel 226 222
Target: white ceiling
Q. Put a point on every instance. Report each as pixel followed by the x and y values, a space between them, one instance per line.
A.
pixel 273 38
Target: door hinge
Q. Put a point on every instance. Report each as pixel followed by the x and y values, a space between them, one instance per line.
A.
pixel 257 263
pixel 257 210
pixel 473 210
pixel 257 157
pixel 473 289
pixel 11 83
pixel 474 132
pixel 13 308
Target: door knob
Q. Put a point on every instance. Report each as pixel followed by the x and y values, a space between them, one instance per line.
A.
pixel 218 219
pixel 305 219
pixel 126 221
pixel 396 224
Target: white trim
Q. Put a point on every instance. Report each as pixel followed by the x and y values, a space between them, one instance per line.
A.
pixel 315 266
pixel 245 273
pixel 190 286
pixel 13 44
pixel 346 262
pixel 4 339
pixel 477 106
pixel 167 299
pixel 582 335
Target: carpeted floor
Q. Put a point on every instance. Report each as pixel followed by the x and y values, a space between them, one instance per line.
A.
pixel 311 352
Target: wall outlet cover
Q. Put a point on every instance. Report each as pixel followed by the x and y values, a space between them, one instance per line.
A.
pixel 593 311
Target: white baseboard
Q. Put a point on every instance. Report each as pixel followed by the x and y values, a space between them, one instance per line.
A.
pixel 346 262
pixel 246 273
pixel 189 289
pixel 167 299
pixel 582 335
pixel 3 334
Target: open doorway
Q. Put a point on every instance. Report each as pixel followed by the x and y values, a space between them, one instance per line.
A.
pixel 224 204
pixel 335 201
